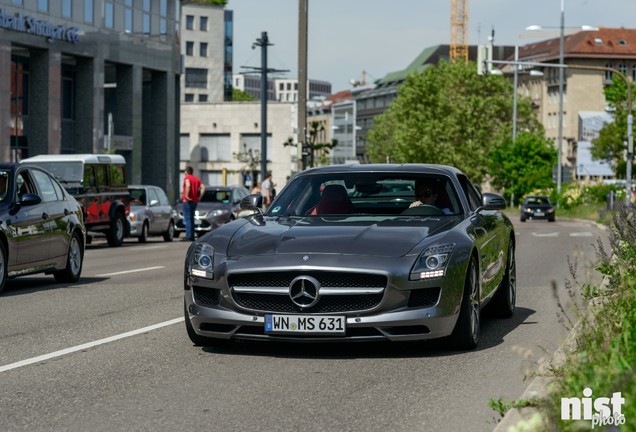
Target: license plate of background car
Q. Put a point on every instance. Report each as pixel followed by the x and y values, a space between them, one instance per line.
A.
pixel 334 324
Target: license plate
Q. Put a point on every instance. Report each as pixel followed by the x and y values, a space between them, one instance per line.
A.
pixel 539 213
pixel 305 324
pixel 197 222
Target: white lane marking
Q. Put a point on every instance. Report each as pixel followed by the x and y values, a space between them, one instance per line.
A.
pixel 581 234
pixel 130 271
pixel 87 345
pixel 552 234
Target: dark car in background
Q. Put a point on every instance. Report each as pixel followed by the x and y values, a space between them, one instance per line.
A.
pixel 150 213
pixel 537 207
pixel 41 226
pixel 342 256
pixel 219 205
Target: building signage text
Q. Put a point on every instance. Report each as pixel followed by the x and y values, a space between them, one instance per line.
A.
pixel 28 24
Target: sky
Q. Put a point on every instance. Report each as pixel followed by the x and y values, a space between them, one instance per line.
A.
pixel 346 37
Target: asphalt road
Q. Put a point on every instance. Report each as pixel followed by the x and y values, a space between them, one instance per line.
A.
pixel 111 354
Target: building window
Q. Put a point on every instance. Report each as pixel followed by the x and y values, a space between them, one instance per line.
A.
pixel 43 5
pixel 204 23
pixel 215 147
pixel 146 17
pixel 184 147
pixel 88 11
pixel 67 8
pixel 17 2
pixel 196 77
pixel 189 48
pixel 108 15
pixel 203 49
pixel 163 14
pixel 608 74
pixel 634 73
pixel 128 16
pixel 189 97
pixel 203 98
pixel 189 22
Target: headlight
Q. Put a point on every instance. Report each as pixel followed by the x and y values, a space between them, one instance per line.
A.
pixel 550 210
pixel 132 217
pixel 202 261
pixel 528 210
pixel 432 262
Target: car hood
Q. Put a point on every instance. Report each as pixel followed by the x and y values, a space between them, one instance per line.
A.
pixel 348 236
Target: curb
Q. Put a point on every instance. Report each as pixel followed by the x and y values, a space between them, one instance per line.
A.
pixel 529 419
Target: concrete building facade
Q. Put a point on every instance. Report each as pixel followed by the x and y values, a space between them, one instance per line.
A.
pixel 92 76
pixel 222 142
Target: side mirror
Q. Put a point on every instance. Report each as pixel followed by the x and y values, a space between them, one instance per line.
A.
pixel 491 201
pixel 30 199
pixel 252 202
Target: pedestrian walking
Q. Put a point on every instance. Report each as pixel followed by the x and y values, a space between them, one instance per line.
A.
pixel 266 190
pixel 193 190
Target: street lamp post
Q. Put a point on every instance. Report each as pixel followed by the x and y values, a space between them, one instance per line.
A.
pixel 561 87
pixel 561 78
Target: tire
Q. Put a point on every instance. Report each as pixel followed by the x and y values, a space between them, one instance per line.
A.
pixel 117 231
pixel 198 340
pixel 522 219
pixel 143 237
pixel 465 335
pixel 74 261
pixel 169 234
pixel 503 304
pixel 551 220
pixel 4 259
pixel 177 234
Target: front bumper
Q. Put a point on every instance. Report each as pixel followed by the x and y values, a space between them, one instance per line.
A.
pixel 135 228
pixel 399 314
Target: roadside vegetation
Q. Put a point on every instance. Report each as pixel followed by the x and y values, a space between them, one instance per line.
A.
pixel 447 114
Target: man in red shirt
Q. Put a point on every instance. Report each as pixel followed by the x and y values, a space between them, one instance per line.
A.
pixel 193 190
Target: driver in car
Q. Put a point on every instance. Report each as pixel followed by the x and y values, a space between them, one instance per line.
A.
pixel 426 192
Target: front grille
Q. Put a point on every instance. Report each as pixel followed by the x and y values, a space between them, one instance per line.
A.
pixel 424 297
pixel 206 296
pixel 269 302
pixel 326 279
pixel 327 303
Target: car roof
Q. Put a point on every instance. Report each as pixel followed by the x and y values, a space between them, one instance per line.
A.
pixel 86 158
pixel 406 168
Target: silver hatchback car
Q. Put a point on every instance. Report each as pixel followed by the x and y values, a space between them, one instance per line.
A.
pixel 150 213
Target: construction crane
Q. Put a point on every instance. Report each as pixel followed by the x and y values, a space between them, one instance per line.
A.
pixel 459 31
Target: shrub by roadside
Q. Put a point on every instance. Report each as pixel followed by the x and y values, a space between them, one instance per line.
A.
pixel 602 355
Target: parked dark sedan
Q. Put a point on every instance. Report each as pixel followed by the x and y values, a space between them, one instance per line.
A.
pixel 220 204
pixel 344 254
pixel 537 207
pixel 41 226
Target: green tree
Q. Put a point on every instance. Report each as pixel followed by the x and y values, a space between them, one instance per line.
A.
pixel 610 143
pixel 239 95
pixel 449 115
pixel 315 144
pixel 522 166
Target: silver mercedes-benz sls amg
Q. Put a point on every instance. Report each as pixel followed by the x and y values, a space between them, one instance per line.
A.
pixel 356 253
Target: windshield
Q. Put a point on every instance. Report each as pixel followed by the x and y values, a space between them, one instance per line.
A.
pixel 537 201
pixel 71 171
pixel 137 197
pixel 368 194
pixel 4 182
pixel 218 196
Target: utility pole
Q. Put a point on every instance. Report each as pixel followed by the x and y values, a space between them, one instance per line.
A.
pixel 263 42
pixel 301 132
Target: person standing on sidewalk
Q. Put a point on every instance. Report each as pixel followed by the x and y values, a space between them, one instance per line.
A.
pixel 266 190
pixel 193 191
